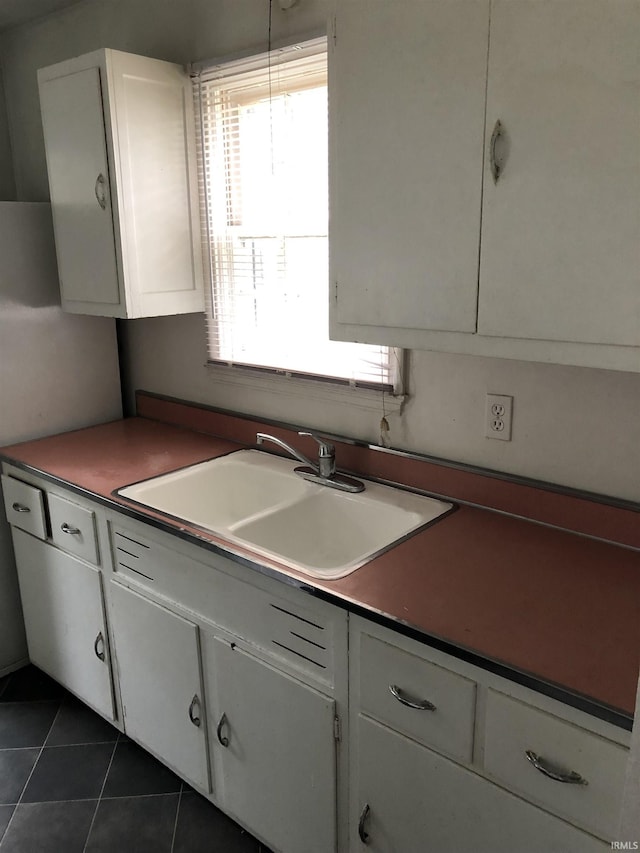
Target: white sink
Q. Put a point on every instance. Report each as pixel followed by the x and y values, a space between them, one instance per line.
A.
pixel 256 500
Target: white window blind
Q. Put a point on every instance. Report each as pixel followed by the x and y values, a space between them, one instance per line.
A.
pixel 264 198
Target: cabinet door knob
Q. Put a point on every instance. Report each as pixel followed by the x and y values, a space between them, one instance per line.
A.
pixel 20 507
pixel 72 531
pixel 101 191
pixel 222 739
pixel 418 704
pixel 496 164
pixel 194 711
pixel 364 814
pixel 98 647
pixel 570 777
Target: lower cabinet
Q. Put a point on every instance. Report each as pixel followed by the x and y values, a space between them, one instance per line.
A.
pixel 241 684
pixel 62 601
pixel 273 744
pixel 408 799
pixel 158 665
pixel 446 756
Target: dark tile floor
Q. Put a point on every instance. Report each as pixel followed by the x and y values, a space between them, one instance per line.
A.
pixel 70 783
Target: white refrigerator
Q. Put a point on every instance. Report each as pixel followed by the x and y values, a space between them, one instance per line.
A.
pixel 58 371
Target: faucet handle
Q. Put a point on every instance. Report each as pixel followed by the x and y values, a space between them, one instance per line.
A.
pixel 327 450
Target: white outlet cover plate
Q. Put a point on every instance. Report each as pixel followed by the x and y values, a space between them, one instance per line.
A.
pixel 498 417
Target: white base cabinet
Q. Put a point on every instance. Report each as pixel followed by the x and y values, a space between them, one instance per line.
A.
pixel 408 799
pixel 318 731
pixel 158 663
pixel 273 740
pixel 274 670
pixel 439 758
pixel 64 616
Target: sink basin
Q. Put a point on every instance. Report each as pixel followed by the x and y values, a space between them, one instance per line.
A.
pixel 256 500
pixel 221 492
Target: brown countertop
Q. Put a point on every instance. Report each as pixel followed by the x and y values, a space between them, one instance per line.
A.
pixel 555 605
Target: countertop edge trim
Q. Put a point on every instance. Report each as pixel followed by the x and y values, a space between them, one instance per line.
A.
pixel 554 691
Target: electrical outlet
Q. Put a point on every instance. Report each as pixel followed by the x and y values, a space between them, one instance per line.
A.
pixel 498 414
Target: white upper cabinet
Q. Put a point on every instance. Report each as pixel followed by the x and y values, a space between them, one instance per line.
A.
pixel 119 139
pixel 407 89
pixel 561 227
pixel 427 249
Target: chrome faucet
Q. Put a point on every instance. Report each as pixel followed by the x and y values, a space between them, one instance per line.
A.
pixel 324 470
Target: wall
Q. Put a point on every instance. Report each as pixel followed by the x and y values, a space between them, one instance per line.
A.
pixel 35 334
pixel 571 426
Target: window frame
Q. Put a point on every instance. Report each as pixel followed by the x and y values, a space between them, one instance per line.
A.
pixel 254 375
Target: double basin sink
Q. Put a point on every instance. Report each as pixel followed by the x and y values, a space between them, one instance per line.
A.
pixel 256 500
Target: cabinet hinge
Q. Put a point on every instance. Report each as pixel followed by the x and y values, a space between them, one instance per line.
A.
pixel 334 30
pixel 337 729
pixel 335 291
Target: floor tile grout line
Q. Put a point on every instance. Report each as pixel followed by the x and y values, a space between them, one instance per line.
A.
pixel 104 782
pixel 141 796
pixel 95 799
pixel 175 825
pixel 55 802
pixel 55 745
pixel 26 784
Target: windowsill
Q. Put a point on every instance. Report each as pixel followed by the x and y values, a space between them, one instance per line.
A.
pixel 294 386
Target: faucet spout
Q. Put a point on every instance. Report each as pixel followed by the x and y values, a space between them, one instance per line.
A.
pixel 261 437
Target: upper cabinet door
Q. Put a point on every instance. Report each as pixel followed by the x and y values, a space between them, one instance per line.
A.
pixel 79 182
pixel 151 107
pixel 406 103
pixel 561 227
pixel 120 141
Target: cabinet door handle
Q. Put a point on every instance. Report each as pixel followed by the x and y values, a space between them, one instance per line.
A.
pixel 364 814
pixel 194 711
pixel 570 777
pixel 98 647
pixel 100 191
pixel 418 704
pixel 222 739
pixel 496 165
pixel 20 507
pixel 72 531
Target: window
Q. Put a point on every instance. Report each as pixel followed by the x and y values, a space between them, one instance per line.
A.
pixel 263 158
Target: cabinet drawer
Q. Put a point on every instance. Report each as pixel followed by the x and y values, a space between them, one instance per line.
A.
pixel 73 528
pixel 514 729
pixel 24 505
pixel 446 721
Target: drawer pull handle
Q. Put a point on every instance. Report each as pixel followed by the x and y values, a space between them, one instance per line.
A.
pixel 364 814
pixel 571 777
pixel 222 739
pixel 20 507
pixel 98 647
pixel 418 704
pixel 193 716
pixel 66 528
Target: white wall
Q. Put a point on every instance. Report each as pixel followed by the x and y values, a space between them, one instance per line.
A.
pixel 57 371
pixel 572 426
